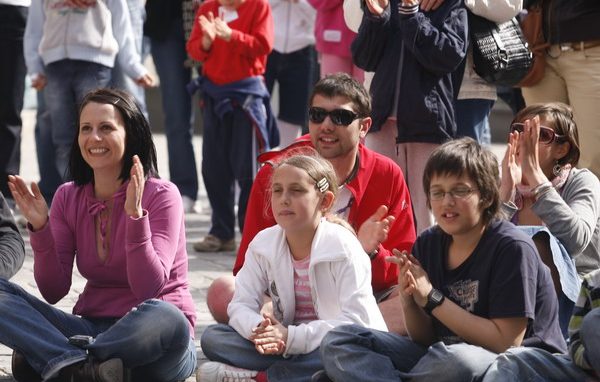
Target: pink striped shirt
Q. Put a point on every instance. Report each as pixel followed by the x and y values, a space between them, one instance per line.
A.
pixel 305 311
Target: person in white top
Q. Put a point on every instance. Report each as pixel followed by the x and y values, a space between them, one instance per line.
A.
pixel 315 272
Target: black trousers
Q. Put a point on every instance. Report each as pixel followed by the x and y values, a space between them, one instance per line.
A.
pixel 12 88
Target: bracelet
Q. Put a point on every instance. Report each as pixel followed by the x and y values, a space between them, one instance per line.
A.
pixel 541 189
pixel 373 254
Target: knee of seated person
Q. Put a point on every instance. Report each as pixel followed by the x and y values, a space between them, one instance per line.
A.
pixel 218 297
pixel 590 328
pixel 212 339
pixel 339 335
pixel 162 312
pixel 468 361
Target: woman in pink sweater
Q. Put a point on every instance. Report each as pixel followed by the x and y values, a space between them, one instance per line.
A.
pixel 125 228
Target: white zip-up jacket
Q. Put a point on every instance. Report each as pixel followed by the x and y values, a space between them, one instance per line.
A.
pixel 56 31
pixel 340 281
pixel 294 23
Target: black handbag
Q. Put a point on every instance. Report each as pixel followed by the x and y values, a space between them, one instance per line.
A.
pixel 501 55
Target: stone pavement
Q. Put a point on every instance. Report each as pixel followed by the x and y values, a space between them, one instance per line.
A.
pixel 203 268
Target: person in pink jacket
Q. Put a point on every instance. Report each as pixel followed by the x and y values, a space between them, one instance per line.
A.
pixel 125 229
pixel 333 39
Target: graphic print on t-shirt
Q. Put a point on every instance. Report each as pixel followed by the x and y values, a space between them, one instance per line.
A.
pixel 466 293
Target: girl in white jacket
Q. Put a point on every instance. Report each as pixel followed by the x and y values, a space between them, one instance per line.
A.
pixel 315 272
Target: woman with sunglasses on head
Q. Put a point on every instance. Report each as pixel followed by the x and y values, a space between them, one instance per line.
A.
pixel 542 188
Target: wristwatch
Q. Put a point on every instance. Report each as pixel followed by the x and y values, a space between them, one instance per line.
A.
pixel 435 298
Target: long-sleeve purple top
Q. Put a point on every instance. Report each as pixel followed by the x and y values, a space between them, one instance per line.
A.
pixel 146 257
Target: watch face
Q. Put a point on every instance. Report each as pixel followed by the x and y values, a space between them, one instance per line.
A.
pixel 437 296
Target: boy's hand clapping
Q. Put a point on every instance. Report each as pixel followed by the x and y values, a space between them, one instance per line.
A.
pixel 213 27
pixel 412 278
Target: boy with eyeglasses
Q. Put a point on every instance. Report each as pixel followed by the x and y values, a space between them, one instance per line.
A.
pixel 473 286
pixel 373 196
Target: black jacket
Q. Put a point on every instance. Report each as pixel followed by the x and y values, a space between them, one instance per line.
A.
pixel 422 55
pixel 570 20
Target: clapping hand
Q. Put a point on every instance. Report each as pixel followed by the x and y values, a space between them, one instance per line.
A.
pixel 377 7
pixel 375 229
pixel 222 29
pixel 511 169
pixel 135 189
pixel 430 5
pixel 31 203
pixel 209 31
pixel 529 155
pixel 269 337
pixel 412 278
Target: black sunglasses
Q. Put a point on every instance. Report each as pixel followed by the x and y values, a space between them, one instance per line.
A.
pixel 547 135
pixel 339 117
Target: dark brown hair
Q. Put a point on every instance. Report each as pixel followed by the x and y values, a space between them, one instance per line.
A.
pixel 466 156
pixel 559 117
pixel 138 137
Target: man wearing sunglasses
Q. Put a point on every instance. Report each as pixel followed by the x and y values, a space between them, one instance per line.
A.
pixel 373 196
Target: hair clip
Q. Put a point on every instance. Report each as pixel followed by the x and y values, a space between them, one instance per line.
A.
pixel 322 185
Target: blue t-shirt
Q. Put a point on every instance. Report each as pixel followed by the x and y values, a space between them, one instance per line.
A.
pixel 503 277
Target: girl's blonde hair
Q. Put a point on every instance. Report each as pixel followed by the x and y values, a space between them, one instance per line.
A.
pixel 317 168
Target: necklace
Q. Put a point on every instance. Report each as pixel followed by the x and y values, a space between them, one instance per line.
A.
pixel 352 174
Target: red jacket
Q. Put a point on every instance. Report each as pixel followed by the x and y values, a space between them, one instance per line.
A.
pixel 245 55
pixel 379 181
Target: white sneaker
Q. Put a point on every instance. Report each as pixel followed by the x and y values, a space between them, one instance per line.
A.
pixel 221 372
pixel 189 205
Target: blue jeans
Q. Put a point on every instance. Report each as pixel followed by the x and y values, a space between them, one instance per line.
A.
pixel 152 339
pixel 570 282
pixel 472 119
pixel 356 353
pixel 137 15
pixel 222 343
pixel 169 56
pixel 68 82
pixel 534 365
pixel 50 179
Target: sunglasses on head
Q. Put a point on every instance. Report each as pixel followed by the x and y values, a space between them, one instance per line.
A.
pixel 340 117
pixel 547 135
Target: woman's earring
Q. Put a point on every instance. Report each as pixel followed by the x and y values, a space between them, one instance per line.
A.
pixel 557 169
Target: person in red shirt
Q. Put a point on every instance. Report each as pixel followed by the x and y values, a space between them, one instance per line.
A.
pixel 373 196
pixel 232 39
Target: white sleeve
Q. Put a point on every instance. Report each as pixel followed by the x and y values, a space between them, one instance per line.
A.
pixel 352 14
pixel 32 38
pixel 128 56
pixel 498 11
pixel 251 282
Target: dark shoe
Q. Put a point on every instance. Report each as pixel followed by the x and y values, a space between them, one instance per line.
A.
pixel 320 376
pixel 22 370
pixel 93 371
